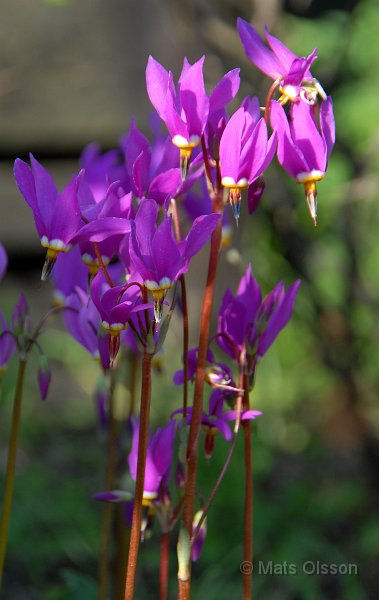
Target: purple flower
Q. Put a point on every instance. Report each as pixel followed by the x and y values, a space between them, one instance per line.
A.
pixel 245 152
pixel 152 169
pixel 279 63
pixel 185 110
pixel 155 254
pixel 3 261
pixel 56 215
pixel 158 460
pixel 115 207
pixel 249 324
pixel 304 146
pixel 7 343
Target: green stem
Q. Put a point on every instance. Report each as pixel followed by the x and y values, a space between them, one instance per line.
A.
pixel 108 509
pixel 11 465
pixel 135 533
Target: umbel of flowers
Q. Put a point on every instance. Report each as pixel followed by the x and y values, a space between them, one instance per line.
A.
pixel 119 240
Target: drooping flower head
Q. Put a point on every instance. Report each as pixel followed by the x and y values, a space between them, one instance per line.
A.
pixel 158 460
pixel 248 324
pixel 56 215
pixel 245 152
pixel 185 109
pixel 281 64
pixel 304 145
pixel 155 254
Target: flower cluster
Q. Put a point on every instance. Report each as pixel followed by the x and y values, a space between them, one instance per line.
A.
pixel 121 236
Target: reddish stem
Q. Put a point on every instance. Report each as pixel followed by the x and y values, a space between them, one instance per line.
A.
pixel 270 96
pixel 163 571
pixel 206 313
pixel 248 511
pixel 101 264
pixel 135 533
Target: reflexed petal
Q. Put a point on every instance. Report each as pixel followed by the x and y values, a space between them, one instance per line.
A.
pixel 307 137
pixel 225 91
pixel 165 252
pixel 328 126
pixel 101 229
pixel 279 319
pixel 200 233
pixel 230 145
pixel 284 55
pixel 289 156
pixel 25 183
pixel 258 53
pixel 194 99
pixel 46 191
pixel 66 218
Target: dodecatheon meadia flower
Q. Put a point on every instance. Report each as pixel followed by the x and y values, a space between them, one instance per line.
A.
pixel 279 63
pixel 156 255
pixel 248 324
pixel 245 152
pixel 56 215
pixel 159 457
pixel 153 168
pixel 117 206
pixel 304 146
pixel 116 305
pixel 185 110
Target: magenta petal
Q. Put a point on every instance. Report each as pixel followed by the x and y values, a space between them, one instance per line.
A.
pixel 306 136
pixel 254 194
pixel 3 261
pixel 66 218
pixel 157 85
pixel 194 99
pixel 289 156
pixel 225 91
pixel 162 447
pixel 279 318
pixel 230 145
pixel 101 229
pixel 254 153
pixel 165 251
pixel 25 183
pixel 46 191
pixel 283 54
pixel 200 233
pixel 165 184
pixel 258 53
pixel 328 126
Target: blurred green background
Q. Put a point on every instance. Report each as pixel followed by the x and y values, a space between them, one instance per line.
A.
pixel 72 72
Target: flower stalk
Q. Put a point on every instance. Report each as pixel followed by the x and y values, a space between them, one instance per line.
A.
pixel 135 533
pixel 11 464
